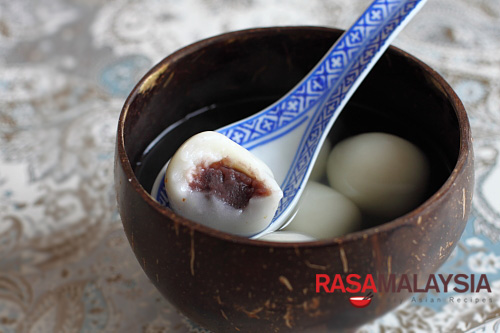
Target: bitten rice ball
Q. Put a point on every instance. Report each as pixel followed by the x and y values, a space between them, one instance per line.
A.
pixel 216 182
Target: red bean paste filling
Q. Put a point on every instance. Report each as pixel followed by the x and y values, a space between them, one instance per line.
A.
pixel 233 187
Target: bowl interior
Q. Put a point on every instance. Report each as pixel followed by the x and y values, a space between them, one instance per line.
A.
pixel 209 87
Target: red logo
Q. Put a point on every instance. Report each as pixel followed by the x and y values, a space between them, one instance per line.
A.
pixel 354 285
pixel 361 301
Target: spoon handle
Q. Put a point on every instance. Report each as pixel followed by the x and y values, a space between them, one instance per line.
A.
pixel 346 64
pixel 338 75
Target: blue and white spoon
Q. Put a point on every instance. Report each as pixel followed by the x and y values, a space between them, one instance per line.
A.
pixel 288 134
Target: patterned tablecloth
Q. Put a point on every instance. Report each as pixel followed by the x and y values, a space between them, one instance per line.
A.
pixel 65 70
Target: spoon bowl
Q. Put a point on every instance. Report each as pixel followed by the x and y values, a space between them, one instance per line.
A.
pixel 222 281
pixel 288 134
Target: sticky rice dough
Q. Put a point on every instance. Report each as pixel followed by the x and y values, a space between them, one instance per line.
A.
pixel 384 175
pixel 216 182
pixel 286 237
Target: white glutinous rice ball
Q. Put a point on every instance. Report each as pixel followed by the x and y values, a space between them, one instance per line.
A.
pixel 383 174
pixel 319 168
pixel 286 236
pixel 216 182
pixel 324 213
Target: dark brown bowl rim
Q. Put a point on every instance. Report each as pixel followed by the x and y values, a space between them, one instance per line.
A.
pixel 433 200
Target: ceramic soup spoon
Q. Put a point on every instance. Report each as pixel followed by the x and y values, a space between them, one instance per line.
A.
pixel 288 134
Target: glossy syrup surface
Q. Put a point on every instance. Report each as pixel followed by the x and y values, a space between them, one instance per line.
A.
pixel 208 118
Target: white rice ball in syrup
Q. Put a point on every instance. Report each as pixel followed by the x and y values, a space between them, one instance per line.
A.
pixel 216 182
pixel 286 237
pixel 384 175
pixel 324 213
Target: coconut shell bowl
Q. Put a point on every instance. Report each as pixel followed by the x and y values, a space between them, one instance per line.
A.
pixel 229 283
